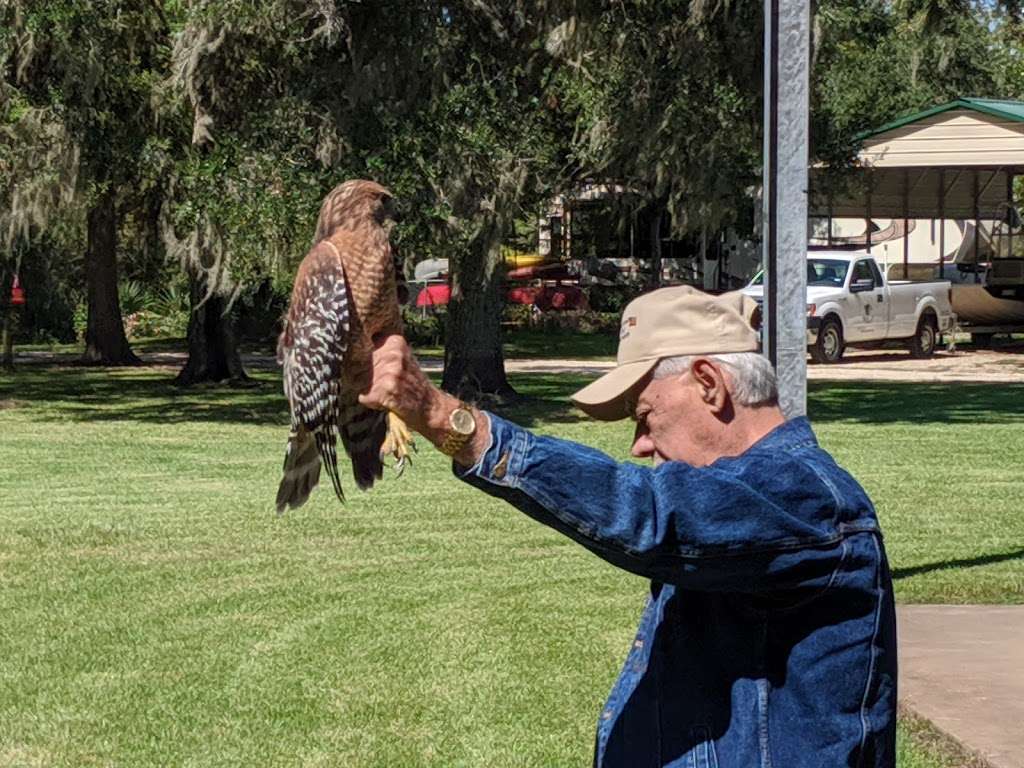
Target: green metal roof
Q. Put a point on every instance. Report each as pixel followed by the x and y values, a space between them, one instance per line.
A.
pixel 1008 110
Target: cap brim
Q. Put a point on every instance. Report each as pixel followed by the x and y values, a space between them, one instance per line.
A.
pixel 605 399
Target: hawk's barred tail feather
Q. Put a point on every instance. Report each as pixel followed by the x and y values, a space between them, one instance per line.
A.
pixel 326 443
pixel 301 470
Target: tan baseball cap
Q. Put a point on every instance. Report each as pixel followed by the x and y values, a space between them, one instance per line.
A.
pixel 670 321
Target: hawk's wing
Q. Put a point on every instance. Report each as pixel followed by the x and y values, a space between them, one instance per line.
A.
pixel 312 352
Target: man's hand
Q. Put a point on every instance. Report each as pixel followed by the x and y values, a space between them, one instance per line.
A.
pixel 400 386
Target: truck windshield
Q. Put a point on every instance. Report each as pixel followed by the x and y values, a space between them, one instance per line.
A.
pixel 829 272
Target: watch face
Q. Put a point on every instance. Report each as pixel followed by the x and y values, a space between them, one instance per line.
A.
pixel 462 421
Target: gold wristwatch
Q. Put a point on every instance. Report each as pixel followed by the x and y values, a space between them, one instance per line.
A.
pixel 461 428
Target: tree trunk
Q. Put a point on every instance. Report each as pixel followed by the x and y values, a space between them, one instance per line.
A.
pixel 474 366
pixel 105 339
pixel 212 346
pixel 7 342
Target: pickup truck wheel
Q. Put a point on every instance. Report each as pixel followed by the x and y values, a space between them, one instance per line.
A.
pixel 829 347
pixel 922 344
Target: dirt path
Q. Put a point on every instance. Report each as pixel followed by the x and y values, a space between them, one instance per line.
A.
pixel 1003 364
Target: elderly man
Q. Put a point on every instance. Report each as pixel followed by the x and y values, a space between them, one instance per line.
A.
pixel 769 635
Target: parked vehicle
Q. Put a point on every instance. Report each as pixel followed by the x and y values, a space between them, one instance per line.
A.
pixel 850 302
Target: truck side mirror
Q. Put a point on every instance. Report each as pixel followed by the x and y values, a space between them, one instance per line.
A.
pixel 864 284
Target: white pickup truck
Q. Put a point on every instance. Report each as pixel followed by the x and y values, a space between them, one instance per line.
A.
pixel 850 302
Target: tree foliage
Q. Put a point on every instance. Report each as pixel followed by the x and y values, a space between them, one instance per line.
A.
pixel 210 130
pixel 487 146
pixel 290 98
pixel 876 61
pixel 78 82
pixel 669 102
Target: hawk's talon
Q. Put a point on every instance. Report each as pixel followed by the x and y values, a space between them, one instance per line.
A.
pixel 401 464
pixel 397 442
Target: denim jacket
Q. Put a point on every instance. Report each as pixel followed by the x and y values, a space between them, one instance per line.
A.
pixel 769 636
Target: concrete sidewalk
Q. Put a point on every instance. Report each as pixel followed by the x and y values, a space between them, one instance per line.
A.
pixel 962 668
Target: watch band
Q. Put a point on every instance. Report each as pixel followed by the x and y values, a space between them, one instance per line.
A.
pixel 454 439
pixel 453 443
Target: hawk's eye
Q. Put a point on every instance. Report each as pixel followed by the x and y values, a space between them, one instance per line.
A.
pixel 389 209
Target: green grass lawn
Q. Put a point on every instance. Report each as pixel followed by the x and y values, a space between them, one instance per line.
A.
pixel 157 612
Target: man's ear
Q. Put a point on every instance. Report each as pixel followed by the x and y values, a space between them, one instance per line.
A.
pixel 711 381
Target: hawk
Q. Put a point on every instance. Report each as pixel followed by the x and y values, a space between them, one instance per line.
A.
pixel 346 292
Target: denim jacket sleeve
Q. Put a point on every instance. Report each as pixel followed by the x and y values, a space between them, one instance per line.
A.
pixel 732 526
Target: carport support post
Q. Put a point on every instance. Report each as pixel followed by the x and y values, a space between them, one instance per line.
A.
pixel 906 223
pixel 829 210
pixel 1009 213
pixel 942 223
pixel 786 44
pixel 977 226
pixel 868 220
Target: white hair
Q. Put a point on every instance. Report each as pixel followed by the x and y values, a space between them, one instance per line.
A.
pixel 751 376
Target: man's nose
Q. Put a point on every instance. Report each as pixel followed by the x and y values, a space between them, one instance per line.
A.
pixel 643 446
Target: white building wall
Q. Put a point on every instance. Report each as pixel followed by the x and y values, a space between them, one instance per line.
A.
pixel 954 138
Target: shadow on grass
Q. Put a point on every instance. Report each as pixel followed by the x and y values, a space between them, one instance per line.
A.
pixel 967 562
pixel 882 402
pixel 147 394
pixel 887 402
pixel 545 399
pixel 142 394
pixel 537 344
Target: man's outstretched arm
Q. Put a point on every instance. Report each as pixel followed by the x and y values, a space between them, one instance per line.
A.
pixel 400 385
pixel 698 527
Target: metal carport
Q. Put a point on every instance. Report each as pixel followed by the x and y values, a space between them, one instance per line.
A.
pixel 954 161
